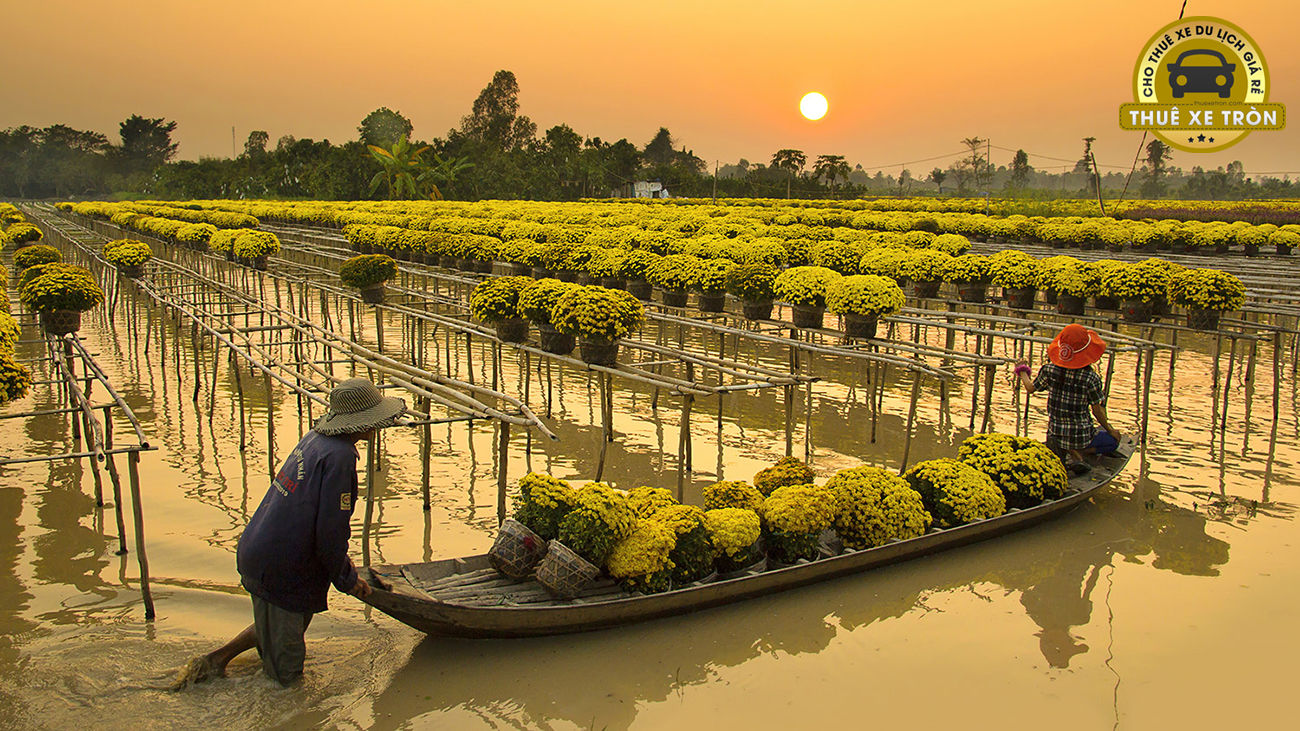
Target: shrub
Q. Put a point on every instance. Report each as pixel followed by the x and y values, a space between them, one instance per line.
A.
pixel 367 270
pixel 195 233
pixel 607 263
pixel 955 493
pixel 62 289
pixel 1014 269
pixel 641 560
pixel 711 275
pixel 127 253
pixel 646 501
pixel 598 313
pixel 732 494
pixel 1026 470
pixel 30 256
pixel 21 233
pixel 256 244
pixel 967 269
pixel 498 298
pixel 675 272
pixel 883 262
pixel 637 263
pixel 544 501
pixel 10 332
pixel 732 531
pixel 796 515
pixel 951 244
pixel 224 240
pixel 787 471
pixel 1207 289
pixel 924 265
pixel 804 285
pixel 751 282
pixel 840 256
pixel 15 378
pixel 598 521
pixel 865 294
pixel 1284 238
pixel 876 507
pixel 1134 281
pixel 692 555
pixel 537 301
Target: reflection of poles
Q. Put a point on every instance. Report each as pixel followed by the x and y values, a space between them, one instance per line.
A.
pixel 370 502
pixel 911 419
pixel 137 510
pixel 789 419
pixel 684 446
pixel 426 448
pixel 503 457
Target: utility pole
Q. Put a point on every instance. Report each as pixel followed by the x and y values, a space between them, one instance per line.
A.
pixel 988 173
pixel 232 142
pixel 715 182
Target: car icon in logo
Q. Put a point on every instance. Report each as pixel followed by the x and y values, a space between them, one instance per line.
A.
pixel 1208 79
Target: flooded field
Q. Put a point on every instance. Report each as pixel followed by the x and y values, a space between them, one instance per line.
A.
pixel 1163 603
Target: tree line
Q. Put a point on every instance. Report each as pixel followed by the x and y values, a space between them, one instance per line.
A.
pixel 497 153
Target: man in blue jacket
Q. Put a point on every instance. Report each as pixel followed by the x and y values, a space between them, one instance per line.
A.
pixel 296 544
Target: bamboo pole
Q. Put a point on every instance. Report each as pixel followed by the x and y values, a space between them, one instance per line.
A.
pixel 503 463
pixel 132 464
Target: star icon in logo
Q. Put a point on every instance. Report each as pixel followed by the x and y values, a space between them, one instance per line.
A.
pixel 1211 139
pixel 1191 139
pixel 1200 138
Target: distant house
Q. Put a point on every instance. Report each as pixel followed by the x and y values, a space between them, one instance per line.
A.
pixel 645 189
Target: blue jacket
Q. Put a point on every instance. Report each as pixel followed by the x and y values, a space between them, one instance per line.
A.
pixel 296 544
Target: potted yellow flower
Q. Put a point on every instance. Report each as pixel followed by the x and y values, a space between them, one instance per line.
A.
pixel 862 299
pixel 1207 294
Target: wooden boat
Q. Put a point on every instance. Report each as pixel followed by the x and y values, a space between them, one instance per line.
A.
pixel 465 597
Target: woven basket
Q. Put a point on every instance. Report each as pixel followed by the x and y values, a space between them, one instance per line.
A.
pixel 1068 304
pixel 1137 310
pixel 976 292
pixel 860 326
pixel 1203 319
pixel 373 295
pixel 598 352
pixel 516 551
pixel 757 310
pixel 1020 298
pixel 675 299
pixel 640 288
pixel 563 573
pixel 927 290
pixel 554 341
pixel 712 302
pixel 807 316
pixel 61 322
pixel 512 330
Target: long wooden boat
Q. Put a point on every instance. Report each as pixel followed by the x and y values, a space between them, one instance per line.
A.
pixel 465 597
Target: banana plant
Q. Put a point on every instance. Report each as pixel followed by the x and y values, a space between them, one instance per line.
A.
pixel 403 169
pixel 443 170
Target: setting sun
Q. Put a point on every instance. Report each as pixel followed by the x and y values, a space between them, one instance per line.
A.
pixel 813 105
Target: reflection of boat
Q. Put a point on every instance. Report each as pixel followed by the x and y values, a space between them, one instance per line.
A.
pixel 463 597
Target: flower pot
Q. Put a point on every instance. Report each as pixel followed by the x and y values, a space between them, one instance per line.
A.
pixel 675 299
pixel 541 273
pixel 512 330
pixel 567 275
pixel 554 341
pixel 1284 250
pixel 808 316
pixel 259 263
pixel 759 310
pixel 586 279
pixel 1049 296
pixel 61 322
pixel 925 289
pixel 1221 248
pixel 750 561
pixel 613 282
pixel 1020 298
pixel 563 573
pixel 1252 249
pixel 402 255
pixel 640 288
pixel 713 301
pixel 1160 307
pixel 1059 244
pixel 1106 302
pixel 1137 310
pixel 373 294
pixel 465 265
pixel 519 270
pixel 482 266
pixel 977 292
pixel 447 262
pixel 1199 319
pixel 860 326
pixel 1068 304
pixel 131 272
pixel 598 351
pixel 516 551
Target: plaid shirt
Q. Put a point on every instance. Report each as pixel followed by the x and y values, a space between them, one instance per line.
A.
pixel 1070 392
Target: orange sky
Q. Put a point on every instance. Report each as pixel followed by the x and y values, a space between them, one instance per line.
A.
pixel 905 80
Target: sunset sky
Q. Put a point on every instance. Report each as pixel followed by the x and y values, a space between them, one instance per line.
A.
pixel 905 80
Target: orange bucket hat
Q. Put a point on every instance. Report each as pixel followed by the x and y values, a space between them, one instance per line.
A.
pixel 1076 347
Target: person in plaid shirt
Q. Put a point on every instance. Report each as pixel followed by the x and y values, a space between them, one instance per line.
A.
pixel 1075 394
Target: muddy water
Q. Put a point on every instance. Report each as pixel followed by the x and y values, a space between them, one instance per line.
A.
pixel 1171 590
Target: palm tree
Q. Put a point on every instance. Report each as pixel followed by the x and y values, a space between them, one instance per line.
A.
pixel 791 161
pixel 831 167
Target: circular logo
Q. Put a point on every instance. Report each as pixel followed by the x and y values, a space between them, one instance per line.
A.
pixel 1207 67
pixel 1064 351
